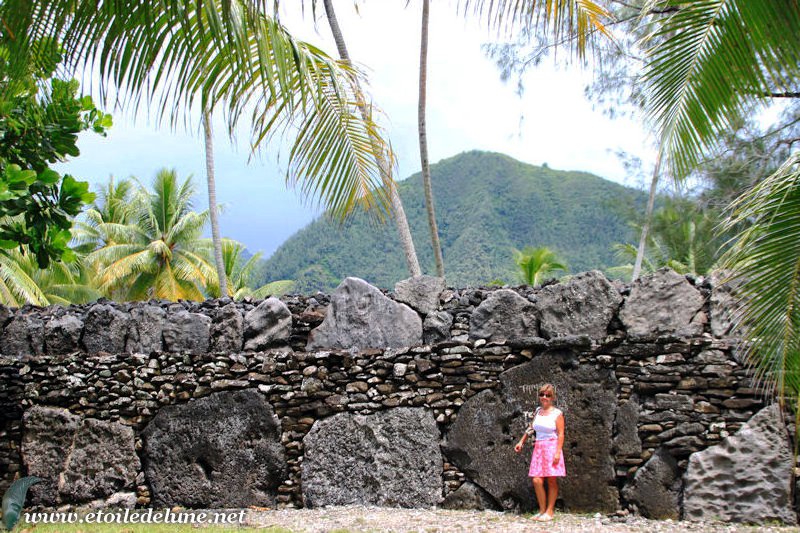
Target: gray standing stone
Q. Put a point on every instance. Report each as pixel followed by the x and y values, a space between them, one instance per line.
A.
pixel 420 292
pixel 584 305
pixel 481 440
pixel 145 334
pixel 227 330
pixel 221 451
pixel 105 329
pixel 186 332
pixel 24 335
pixel 504 316
pixel 656 487
pixel 360 316
pixel 269 323
pixel 723 303
pixel 627 441
pixel 470 496
pixel 5 316
pixel 63 335
pixel 662 303
pixel 81 459
pixel 745 478
pixel 390 458
pixel 436 327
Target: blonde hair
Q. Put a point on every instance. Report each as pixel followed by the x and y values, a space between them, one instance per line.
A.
pixel 549 387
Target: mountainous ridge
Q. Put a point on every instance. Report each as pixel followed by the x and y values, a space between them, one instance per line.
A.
pixel 487 205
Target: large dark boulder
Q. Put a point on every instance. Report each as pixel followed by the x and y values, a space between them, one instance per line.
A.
pixel 105 329
pixel 504 316
pixel 745 478
pixel 662 303
pixel 145 333
pixel 360 316
pixel 82 459
pixel 584 305
pixel 220 451
pixel 267 324
pixel 420 292
pixel 186 332
pixel 62 335
pixel 390 458
pixel 481 440
pixel 227 330
pixel 656 487
pixel 23 335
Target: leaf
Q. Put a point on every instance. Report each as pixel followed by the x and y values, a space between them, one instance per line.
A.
pixel 14 499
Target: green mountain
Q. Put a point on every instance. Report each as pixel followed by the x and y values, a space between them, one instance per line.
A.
pixel 487 204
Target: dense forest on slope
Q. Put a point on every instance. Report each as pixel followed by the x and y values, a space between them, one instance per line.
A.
pixel 487 204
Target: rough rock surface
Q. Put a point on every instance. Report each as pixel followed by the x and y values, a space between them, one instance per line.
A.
pixel 436 327
pixel 186 332
pixel 420 292
pixel 83 459
pixel 470 496
pixel 582 306
pixel 656 487
pixel 746 478
pixel 24 335
pixel 722 304
pixel 267 324
pixel 222 450
pixel 146 330
pixel 227 330
pixel 662 303
pixel 105 329
pixel 481 440
pixel 63 335
pixel 390 458
pixel 627 441
pixel 504 316
pixel 360 316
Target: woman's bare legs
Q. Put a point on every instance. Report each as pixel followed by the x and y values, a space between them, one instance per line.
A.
pixel 552 495
pixel 538 488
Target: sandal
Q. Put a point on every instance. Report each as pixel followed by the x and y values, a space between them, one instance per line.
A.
pixel 546 517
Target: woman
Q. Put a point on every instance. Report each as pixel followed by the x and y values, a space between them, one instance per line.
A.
pixel 547 461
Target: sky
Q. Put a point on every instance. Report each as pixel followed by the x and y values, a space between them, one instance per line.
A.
pixel 469 108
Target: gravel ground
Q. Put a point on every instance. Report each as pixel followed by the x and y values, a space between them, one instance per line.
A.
pixel 374 519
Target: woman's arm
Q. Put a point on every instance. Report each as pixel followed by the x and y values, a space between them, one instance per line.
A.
pixel 560 430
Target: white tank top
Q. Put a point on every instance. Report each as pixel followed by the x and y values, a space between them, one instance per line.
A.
pixel 545 425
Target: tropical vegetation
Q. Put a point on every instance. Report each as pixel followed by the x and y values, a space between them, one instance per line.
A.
pixel 535 264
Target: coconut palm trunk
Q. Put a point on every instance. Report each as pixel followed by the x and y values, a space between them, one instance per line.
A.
pixel 648 217
pixel 385 167
pixel 212 205
pixel 423 140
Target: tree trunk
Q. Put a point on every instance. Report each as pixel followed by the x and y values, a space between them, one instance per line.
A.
pixel 637 267
pixel 385 167
pixel 212 205
pixel 423 140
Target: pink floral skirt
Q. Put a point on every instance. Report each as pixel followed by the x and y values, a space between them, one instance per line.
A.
pixel 542 460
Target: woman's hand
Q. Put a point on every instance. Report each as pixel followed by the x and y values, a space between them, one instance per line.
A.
pixel 556 457
pixel 518 447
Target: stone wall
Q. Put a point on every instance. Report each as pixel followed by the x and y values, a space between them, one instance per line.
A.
pixel 414 398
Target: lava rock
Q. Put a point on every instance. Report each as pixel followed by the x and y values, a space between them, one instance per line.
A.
pixel 390 458
pixel 269 323
pixel 436 327
pixel 145 334
pixel 360 316
pixel 227 330
pixel 656 487
pixel 584 305
pixel 626 440
pixel 470 496
pixel 187 332
pixel 63 335
pixel 24 335
pixel 420 292
pixel 105 329
pixel 504 316
pixel 662 303
pixel 220 451
pixel 745 478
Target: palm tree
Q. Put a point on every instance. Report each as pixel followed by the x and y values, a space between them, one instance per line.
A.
pixel 160 256
pixel 423 140
pixel 212 203
pixel 535 263
pixel 107 220
pixel 240 274
pixel 225 54
pixel 715 62
pixel 382 157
